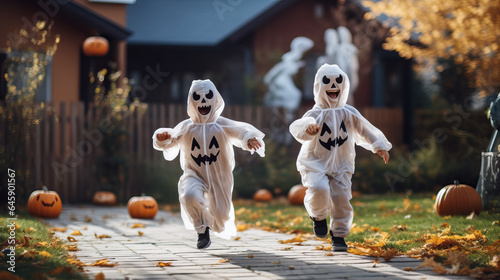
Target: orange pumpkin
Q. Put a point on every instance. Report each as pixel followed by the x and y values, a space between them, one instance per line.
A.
pixel 142 207
pixel 104 198
pixel 95 46
pixel 457 199
pixel 296 195
pixel 263 195
pixel 44 203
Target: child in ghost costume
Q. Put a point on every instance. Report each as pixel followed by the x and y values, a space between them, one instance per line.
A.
pixel 205 143
pixel 328 133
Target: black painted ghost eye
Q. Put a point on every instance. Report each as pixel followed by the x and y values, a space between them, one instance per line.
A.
pixel 210 94
pixel 339 79
pixel 196 96
pixel 326 81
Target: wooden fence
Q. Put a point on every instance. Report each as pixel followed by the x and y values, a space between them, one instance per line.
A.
pixel 61 149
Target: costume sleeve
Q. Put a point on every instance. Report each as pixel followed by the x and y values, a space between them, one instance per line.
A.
pixel 366 134
pixel 169 147
pixel 240 132
pixel 298 127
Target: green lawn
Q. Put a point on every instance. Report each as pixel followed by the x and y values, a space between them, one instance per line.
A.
pixel 406 224
pixel 37 254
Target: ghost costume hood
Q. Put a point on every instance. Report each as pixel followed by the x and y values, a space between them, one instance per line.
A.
pixel 331 87
pixel 205 142
pixel 331 150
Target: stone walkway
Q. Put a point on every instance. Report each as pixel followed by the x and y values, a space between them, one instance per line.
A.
pixel 256 254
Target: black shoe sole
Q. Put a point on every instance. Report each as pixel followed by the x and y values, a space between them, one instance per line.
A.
pixel 339 249
pixel 206 246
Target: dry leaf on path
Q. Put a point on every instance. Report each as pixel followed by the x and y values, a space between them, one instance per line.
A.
pixel 163 264
pixel 72 239
pixel 103 263
pixel 100 276
pixel 137 225
pixel 76 232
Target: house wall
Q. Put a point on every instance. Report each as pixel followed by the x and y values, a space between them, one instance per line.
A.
pixel 309 19
pixel 66 64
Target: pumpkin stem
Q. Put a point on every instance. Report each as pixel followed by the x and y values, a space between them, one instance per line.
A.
pixel 456 182
pixel 45 189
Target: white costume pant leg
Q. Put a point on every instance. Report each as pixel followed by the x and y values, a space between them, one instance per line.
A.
pixel 194 204
pixel 317 199
pixel 342 213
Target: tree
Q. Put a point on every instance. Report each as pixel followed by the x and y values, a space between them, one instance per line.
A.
pixel 467 31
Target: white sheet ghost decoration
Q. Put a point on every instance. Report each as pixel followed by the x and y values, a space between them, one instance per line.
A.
pixel 331 44
pixel 326 158
pixel 205 142
pixel 282 90
pixel 347 59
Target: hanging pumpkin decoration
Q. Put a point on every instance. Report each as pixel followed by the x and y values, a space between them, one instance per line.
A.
pixel 44 203
pixel 142 207
pixel 457 199
pixel 104 198
pixel 263 195
pixel 296 195
pixel 95 46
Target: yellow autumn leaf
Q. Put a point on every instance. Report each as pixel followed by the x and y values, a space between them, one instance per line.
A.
pixel 140 233
pixel 237 238
pixel 250 256
pixel 103 263
pixel 41 244
pixel 223 261
pixel 76 232
pixel 138 225
pixel 72 247
pixel 297 239
pixel 29 230
pixel 102 236
pixel 45 254
pixel 163 264
pixel 58 229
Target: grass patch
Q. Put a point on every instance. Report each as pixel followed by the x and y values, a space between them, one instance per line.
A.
pixel 37 254
pixel 406 224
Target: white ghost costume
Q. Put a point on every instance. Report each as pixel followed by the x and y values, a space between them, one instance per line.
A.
pixel 205 142
pixel 326 159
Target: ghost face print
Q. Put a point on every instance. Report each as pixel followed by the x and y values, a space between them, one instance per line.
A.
pixel 331 87
pixel 203 102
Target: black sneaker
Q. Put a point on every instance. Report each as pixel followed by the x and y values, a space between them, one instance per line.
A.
pixel 338 244
pixel 320 228
pixel 204 239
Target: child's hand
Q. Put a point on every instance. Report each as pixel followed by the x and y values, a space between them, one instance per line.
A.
pixel 253 144
pixel 313 129
pixel 384 154
pixel 163 136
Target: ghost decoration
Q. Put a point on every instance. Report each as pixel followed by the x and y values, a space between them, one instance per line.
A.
pixel 205 142
pixel 326 158
pixel 347 59
pixel 331 44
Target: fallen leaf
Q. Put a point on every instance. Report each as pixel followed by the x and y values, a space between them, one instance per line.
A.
pixel 41 244
pixel 495 223
pixel 102 236
pixel 445 225
pixel 100 276
pixel 137 225
pixel 28 255
pixel 278 262
pixel 87 219
pixel 103 263
pixel 58 229
pixel 28 230
pixel 163 264
pixel 72 247
pixel 76 232
pixel 223 261
pixel 291 267
pixel 72 239
pixel 495 261
pixel 45 254
pixel 73 217
pixel 329 254
pixel 250 256
pixel 140 233
pixel 237 238
pixel 297 239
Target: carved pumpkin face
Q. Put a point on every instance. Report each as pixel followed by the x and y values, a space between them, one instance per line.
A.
pixel 327 141
pixel 142 207
pixel 104 198
pixel 95 46
pixel 212 152
pixel 44 204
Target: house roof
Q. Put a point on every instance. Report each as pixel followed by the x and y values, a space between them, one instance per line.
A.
pixel 194 22
pixel 95 21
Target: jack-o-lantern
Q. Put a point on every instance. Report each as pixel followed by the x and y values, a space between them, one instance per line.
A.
pixel 44 203
pixel 296 195
pixel 95 46
pixel 104 198
pixel 457 199
pixel 142 207
pixel 263 195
